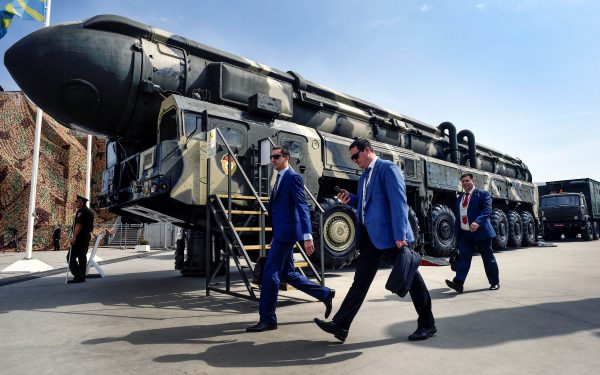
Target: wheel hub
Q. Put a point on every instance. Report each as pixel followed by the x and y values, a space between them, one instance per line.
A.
pixel 339 231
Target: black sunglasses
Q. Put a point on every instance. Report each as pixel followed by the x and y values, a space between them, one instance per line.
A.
pixel 276 156
pixel 354 156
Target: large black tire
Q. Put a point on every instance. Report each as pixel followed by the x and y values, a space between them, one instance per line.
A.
pixel 443 237
pixel 195 257
pixel 339 234
pixel 500 224
pixel 588 232
pixel 528 221
pixel 596 230
pixel 413 220
pixel 515 229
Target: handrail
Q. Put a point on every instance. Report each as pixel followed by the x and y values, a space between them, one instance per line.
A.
pixel 241 170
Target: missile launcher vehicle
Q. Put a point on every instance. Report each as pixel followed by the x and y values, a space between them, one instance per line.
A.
pixel 156 97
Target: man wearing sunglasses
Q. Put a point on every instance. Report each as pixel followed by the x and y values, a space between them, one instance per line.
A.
pixel 290 219
pixel 383 230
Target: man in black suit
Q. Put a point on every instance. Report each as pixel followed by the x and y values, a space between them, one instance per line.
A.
pixel 56 238
pixel 474 229
pixel 383 230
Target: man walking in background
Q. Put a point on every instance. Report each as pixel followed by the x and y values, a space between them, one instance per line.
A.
pixel 56 237
pixel 474 229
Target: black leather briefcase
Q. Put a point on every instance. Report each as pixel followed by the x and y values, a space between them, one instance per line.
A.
pixel 403 271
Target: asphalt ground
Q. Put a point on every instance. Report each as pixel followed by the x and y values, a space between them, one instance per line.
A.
pixel 146 318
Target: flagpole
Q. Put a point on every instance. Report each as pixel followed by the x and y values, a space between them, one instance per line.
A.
pixel 88 176
pixel 35 163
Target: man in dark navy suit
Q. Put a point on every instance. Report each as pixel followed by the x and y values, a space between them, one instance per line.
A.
pixel 474 229
pixel 290 219
pixel 384 230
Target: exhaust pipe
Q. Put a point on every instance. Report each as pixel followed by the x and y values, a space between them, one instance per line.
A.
pixel 471 144
pixel 446 125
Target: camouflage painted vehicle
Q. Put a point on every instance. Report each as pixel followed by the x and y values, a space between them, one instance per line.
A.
pixel 570 208
pixel 155 95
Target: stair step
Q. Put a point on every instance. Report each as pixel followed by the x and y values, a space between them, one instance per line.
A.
pixel 244 197
pixel 255 247
pixel 252 229
pixel 243 212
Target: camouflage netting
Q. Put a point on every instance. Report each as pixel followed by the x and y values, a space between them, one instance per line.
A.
pixel 61 176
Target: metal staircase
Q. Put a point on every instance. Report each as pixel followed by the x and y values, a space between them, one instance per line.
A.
pixel 228 211
pixel 125 235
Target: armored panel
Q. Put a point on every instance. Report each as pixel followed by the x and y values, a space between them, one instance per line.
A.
pixel 520 191
pixel 499 188
pixel 336 157
pixel 442 175
pixel 235 85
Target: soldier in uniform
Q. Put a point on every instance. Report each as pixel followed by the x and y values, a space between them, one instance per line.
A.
pixel 82 230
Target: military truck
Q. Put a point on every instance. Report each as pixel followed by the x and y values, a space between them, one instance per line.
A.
pixel 570 208
pixel 157 96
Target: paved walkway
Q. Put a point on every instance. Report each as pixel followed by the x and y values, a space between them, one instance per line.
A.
pixel 145 318
pixel 57 260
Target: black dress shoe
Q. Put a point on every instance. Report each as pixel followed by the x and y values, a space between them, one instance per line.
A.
pixel 260 327
pixel 423 333
pixel 494 286
pixel 333 328
pixel 329 303
pixel 74 281
pixel 456 286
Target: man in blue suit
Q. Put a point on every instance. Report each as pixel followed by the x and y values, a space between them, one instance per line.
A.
pixel 473 229
pixel 384 230
pixel 290 219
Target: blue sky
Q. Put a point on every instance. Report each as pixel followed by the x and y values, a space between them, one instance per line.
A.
pixel 524 76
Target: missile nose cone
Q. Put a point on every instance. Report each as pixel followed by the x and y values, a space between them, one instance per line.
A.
pixel 81 77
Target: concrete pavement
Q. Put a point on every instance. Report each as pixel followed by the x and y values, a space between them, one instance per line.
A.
pixel 145 318
pixel 58 261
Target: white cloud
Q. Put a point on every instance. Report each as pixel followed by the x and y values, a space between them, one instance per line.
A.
pixel 480 6
pixel 426 8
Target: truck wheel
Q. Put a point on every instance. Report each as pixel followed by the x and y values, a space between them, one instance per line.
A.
pixel 339 234
pixel 515 228
pixel 500 224
pixel 596 230
pixel 443 238
pixel 413 220
pixel 528 228
pixel 588 232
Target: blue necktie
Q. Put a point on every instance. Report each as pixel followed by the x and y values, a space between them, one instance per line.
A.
pixel 276 186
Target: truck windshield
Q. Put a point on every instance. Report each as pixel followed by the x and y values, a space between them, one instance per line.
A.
pixel 559 200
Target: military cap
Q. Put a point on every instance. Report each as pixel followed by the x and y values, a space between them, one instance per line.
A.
pixel 84 199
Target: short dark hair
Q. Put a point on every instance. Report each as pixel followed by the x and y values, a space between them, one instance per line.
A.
pixel 285 150
pixel 468 174
pixel 361 144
